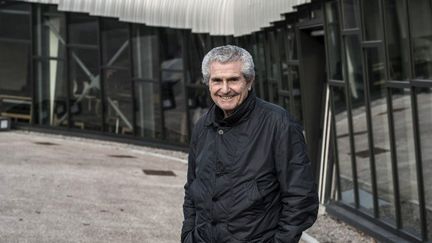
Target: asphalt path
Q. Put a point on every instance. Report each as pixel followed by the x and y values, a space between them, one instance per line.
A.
pixel 61 189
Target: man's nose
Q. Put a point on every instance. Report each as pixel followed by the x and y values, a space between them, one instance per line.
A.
pixel 225 87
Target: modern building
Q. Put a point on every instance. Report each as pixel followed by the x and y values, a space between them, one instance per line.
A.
pixel 356 73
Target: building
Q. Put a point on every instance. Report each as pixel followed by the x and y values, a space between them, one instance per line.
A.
pixel 357 73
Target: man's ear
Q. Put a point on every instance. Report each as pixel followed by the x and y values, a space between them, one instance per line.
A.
pixel 250 84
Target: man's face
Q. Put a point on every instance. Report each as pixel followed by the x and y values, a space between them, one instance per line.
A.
pixel 228 87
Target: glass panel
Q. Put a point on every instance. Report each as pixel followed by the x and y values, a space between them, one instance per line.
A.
pixel 145 54
pixel 118 101
pixel 83 29
pixel 381 137
pixel 198 103
pixel 294 77
pixel 148 116
pixel 343 152
pixel 421 26
pixel 286 102
pixel 173 98
pixel 194 57
pixel 115 43
pixel 52 40
pixel 372 20
pixel 360 130
pixel 15 65
pixel 14 24
pixel 15 88
pixel 405 153
pixel 86 109
pixel 397 39
pixel 291 43
pixel 424 101
pixel 350 12
pixel 333 40
pixel 51 93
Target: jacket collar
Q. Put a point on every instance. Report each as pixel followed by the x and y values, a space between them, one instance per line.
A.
pixel 215 116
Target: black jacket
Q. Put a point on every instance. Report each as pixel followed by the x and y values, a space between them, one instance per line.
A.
pixel 249 178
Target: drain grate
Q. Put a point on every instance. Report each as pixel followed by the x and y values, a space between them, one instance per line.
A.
pixel 159 172
pixel 121 156
pixel 45 143
pixel 365 153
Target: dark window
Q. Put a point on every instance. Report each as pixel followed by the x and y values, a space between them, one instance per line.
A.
pixel 421 26
pixel 83 29
pixel 350 11
pixel 84 78
pixel 333 40
pixel 397 39
pixel 381 137
pixel 406 161
pixel 424 101
pixel 372 20
pixel 15 21
pixel 172 82
pixel 343 153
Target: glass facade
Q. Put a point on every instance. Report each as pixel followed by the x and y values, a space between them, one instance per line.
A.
pixel 381 128
pixel 89 74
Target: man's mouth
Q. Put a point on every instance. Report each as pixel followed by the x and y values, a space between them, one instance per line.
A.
pixel 226 97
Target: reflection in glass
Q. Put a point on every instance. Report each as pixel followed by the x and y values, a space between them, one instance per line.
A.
pixel 118 101
pixel 83 29
pixel 51 93
pixel 115 43
pixel 52 39
pixel 397 39
pixel 359 122
pixel 146 74
pixel 424 106
pixel 291 43
pixel 343 153
pixel 195 53
pixel 15 24
pixel 294 77
pixel 405 154
pixel 372 20
pixel 15 65
pixel 333 40
pixel 173 98
pixel 148 115
pixel 350 10
pixel 85 106
pixel 198 103
pixel 15 99
pixel 421 28
pixel 381 137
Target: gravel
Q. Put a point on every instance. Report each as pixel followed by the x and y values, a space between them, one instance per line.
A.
pixel 329 229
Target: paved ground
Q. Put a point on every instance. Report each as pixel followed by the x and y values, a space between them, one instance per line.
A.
pixel 65 189
pixel 75 191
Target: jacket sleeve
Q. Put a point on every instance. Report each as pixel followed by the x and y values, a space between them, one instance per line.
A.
pixel 188 204
pixel 299 198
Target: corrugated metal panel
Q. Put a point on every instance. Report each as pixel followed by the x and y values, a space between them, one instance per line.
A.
pixel 217 17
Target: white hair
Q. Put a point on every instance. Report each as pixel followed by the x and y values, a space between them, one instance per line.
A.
pixel 227 54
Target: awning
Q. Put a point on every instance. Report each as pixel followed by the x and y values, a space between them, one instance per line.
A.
pixel 217 17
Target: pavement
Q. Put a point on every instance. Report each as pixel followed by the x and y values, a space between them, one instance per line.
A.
pixel 62 189
pixel 55 188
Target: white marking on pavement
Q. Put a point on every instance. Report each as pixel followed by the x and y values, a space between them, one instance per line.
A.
pixel 162 156
pixel 309 239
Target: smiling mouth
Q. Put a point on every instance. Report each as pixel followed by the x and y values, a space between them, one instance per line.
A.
pixel 226 97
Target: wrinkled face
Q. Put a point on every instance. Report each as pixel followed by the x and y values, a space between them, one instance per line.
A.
pixel 228 87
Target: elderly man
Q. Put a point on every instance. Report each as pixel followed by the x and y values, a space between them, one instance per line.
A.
pixel 249 178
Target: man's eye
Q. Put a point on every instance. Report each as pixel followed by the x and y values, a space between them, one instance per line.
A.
pixel 216 81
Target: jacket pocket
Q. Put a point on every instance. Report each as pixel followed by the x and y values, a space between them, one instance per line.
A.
pixel 247 211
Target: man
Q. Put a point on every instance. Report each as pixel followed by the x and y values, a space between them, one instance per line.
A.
pixel 249 178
